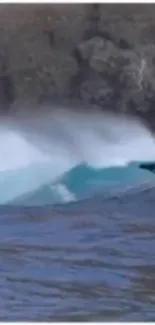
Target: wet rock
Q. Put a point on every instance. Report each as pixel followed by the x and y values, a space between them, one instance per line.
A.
pixel 102 54
pixel 96 91
pixel 88 48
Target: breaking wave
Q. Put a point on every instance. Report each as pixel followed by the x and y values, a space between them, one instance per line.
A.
pixel 63 155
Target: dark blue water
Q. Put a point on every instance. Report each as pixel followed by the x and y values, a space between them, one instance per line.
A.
pixel 91 260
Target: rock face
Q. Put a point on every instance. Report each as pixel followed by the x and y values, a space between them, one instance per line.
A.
pixel 102 54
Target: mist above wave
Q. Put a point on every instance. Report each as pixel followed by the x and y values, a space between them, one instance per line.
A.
pixel 95 138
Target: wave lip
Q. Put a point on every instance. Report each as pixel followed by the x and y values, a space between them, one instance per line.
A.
pixel 82 182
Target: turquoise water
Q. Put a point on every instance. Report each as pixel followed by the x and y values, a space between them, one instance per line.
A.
pixel 83 179
pixel 78 183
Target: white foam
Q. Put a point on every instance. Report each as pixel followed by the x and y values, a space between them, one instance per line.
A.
pixel 63 193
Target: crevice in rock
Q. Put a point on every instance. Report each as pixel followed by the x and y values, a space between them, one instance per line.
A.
pixel 83 70
pixel 50 36
pixel 7 95
pixel 124 45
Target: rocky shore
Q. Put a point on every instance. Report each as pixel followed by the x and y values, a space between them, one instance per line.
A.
pixel 96 54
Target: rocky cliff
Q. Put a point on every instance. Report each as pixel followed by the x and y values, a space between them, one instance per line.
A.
pixel 102 54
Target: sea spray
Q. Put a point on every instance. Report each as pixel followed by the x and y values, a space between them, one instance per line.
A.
pixel 95 138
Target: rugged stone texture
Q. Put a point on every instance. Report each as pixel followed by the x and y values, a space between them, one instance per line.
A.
pixel 102 54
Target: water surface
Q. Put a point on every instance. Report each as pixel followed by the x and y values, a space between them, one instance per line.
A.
pixel 88 262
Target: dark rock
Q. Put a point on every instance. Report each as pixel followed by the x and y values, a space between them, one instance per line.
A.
pixel 97 53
